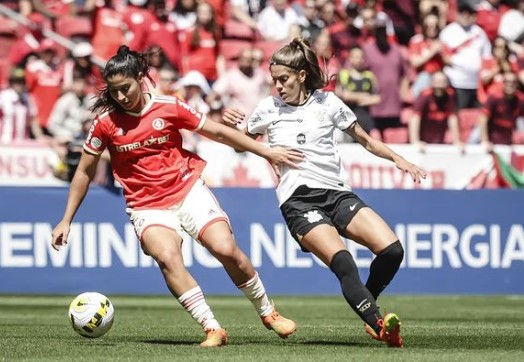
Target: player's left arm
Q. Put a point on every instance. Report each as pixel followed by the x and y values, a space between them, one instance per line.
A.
pixel 380 149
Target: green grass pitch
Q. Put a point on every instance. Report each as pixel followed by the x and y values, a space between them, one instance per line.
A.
pixel 435 328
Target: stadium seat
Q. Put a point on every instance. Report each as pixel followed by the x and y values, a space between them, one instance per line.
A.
pixel 230 49
pixel 396 135
pixel 74 26
pixel 518 137
pixel 234 29
pixel 8 35
pixel 468 119
pixel 4 72
pixel 267 47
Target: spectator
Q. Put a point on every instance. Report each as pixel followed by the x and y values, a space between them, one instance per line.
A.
pixel 29 42
pixel 200 45
pixel 17 112
pixel 489 13
pixel 345 35
pixel 327 13
pixel 367 20
pixel 500 113
pixel 357 87
pixel 70 110
pixel 403 15
pixel 138 19
pixel 329 64
pixel 184 15
pixel 439 8
pixel 493 69
pixel 193 88
pixel 163 35
pixel 108 27
pixel 81 65
pixel 424 54
pixel 511 27
pixel 310 23
pixel 247 11
pixel 24 7
pixel 241 87
pixel 166 83
pixel 276 22
pixel 44 81
pixel 465 45
pixel 387 63
pixel 435 113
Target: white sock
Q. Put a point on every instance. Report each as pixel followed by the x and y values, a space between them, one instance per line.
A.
pixel 254 290
pixel 194 302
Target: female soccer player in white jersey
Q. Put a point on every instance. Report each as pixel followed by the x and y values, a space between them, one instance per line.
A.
pixel 316 203
pixel 163 189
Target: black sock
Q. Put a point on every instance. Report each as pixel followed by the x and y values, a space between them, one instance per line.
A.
pixel 355 293
pixel 384 267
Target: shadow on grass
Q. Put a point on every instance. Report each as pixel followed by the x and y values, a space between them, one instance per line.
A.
pixel 169 342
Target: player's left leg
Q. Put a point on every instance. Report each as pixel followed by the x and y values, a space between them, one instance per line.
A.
pixel 218 239
pixel 369 229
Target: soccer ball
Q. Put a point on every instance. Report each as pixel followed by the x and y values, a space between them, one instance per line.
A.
pixel 91 314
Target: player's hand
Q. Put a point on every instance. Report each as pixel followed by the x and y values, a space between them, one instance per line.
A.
pixel 59 235
pixel 416 173
pixel 279 156
pixel 232 117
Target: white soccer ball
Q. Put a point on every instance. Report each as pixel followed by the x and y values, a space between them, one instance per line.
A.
pixel 91 314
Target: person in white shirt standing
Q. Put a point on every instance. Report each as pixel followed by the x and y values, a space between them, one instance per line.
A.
pixel 17 112
pixel 465 45
pixel 315 200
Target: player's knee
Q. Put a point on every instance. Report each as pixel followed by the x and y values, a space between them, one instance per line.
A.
pixel 343 265
pixel 226 249
pixel 168 258
pixel 395 252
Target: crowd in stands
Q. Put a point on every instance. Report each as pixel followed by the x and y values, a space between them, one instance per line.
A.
pixel 419 71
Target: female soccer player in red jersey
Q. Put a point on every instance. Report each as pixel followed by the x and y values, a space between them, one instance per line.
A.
pixel 164 192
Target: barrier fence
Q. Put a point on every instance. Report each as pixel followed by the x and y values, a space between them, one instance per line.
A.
pixel 455 241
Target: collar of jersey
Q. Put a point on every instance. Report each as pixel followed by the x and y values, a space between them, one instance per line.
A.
pixel 308 99
pixel 146 106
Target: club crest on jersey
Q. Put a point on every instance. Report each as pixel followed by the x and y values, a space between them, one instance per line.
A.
pixel 96 142
pixel 313 216
pixel 301 138
pixel 158 124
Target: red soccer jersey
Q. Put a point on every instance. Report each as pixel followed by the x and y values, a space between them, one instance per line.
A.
pixel 434 115
pixel 502 117
pixel 418 46
pixel 146 151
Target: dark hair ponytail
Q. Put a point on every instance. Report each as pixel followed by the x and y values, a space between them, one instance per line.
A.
pixel 298 55
pixel 127 63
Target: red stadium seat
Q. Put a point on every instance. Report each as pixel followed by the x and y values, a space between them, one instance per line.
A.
pixel 518 137
pixel 8 35
pixel 396 135
pixel 5 68
pixel 71 26
pixel 230 49
pixel 234 29
pixel 468 120
pixel 268 47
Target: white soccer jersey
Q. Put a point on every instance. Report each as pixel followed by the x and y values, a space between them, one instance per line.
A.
pixel 309 128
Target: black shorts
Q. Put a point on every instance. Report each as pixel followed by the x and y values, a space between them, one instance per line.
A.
pixel 307 208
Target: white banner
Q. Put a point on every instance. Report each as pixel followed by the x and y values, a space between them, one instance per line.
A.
pixel 28 164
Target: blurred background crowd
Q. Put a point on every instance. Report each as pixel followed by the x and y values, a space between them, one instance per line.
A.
pixel 414 71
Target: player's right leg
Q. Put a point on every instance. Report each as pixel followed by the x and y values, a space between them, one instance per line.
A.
pixel 164 245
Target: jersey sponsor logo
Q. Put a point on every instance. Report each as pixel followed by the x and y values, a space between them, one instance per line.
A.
pixel 135 145
pixel 313 216
pixel 96 142
pixel 91 130
pixel 301 138
pixel 255 119
pixel 158 124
